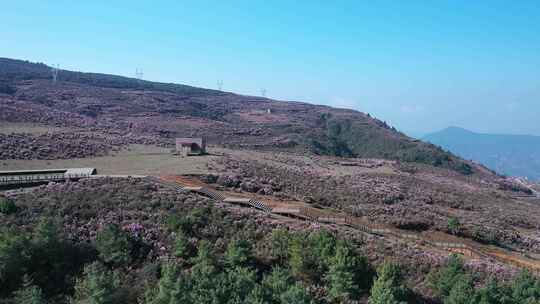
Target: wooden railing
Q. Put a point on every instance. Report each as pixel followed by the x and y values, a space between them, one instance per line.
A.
pixel 319 216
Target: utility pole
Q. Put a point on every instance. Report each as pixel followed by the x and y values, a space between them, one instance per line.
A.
pixel 54 71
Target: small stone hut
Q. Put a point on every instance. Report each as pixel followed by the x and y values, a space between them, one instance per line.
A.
pixel 190 146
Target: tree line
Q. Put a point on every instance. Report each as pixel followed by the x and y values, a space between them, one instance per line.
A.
pixel 42 265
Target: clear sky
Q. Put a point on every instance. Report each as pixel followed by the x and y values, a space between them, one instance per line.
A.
pixel 419 65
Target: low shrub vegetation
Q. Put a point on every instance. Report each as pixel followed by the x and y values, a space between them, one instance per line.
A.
pixel 7 206
pixel 145 245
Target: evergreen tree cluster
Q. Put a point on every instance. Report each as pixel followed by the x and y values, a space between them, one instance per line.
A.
pixel 295 262
pixel 44 266
pixel 344 137
pixel 41 265
pixel 454 286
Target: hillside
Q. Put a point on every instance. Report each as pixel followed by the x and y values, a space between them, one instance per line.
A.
pixel 16 70
pixel 514 155
pixel 130 240
pixel 122 110
pixel 293 203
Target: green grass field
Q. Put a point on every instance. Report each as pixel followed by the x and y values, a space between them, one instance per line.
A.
pixel 135 160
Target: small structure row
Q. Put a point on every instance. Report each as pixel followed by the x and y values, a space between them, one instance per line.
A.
pixel 22 177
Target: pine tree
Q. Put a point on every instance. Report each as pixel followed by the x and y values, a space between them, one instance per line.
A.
pixel 14 258
pixel 525 288
pixel 279 288
pixel 238 253
pixel 494 293
pixel 239 285
pixel 205 254
pixel 182 246
pixel 49 260
pixel 172 287
pixel 204 277
pixel 389 288
pixel 47 234
pixel 323 246
pixel 295 294
pixel 443 281
pixel 462 292
pixel 280 240
pixel 276 283
pixel 28 293
pixel 454 226
pixel 166 284
pixel 257 296
pixel 113 245
pixel 7 206
pixel 301 261
pixel 348 273
pixel 97 286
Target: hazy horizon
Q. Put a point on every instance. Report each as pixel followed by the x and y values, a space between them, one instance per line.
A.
pixel 420 67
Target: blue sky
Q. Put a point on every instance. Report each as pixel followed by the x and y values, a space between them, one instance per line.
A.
pixel 420 65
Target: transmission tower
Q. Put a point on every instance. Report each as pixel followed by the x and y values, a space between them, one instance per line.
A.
pixel 219 84
pixel 139 74
pixel 54 71
pixel 263 92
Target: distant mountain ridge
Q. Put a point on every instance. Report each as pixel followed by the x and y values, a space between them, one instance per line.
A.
pixel 515 155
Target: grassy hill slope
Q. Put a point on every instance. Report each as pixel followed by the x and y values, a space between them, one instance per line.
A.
pixel 164 111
